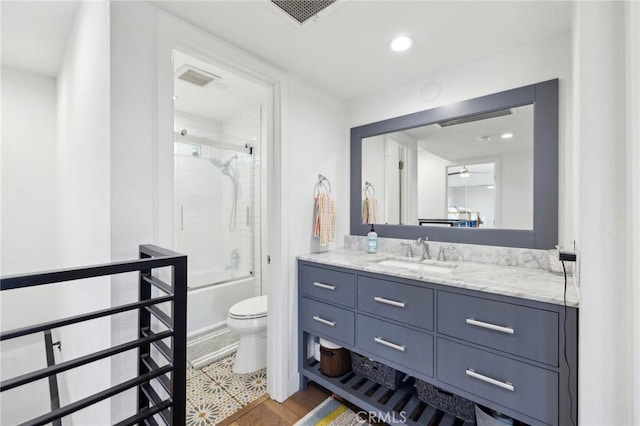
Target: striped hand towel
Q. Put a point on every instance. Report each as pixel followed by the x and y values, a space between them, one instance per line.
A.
pixel 369 210
pixel 324 218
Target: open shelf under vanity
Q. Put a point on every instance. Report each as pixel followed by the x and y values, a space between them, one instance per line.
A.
pixel 400 406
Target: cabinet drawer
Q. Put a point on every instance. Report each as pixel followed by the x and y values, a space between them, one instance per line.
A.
pixel 521 387
pixel 336 324
pixel 400 302
pixel 326 284
pixel 402 345
pixel 519 330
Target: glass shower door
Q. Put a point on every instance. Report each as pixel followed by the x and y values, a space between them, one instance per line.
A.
pixel 214 207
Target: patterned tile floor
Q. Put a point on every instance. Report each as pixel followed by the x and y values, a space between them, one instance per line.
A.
pixel 216 392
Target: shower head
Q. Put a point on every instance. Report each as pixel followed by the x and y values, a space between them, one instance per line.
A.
pixel 216 162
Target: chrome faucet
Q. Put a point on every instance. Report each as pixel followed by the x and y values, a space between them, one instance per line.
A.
pixel 425 247
pixel 441 256
pixel 409 252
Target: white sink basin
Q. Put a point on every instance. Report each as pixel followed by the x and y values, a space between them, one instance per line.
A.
pixel 417 266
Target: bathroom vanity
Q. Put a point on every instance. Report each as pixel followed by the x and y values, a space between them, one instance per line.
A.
pixel 503 337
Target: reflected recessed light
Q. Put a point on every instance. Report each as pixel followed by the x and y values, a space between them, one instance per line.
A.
pixel 400 44
pixel 507 135
pixel 175 98
pixel 484 138
pixel 490 186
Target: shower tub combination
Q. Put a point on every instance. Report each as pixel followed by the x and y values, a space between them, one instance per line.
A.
pixel 209 298
pixel 214 189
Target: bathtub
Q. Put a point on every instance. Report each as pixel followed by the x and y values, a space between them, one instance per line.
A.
pixel 210 295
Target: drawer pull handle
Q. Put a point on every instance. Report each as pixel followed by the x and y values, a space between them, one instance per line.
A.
pixel 325 286
pixel 490 326
pixel 389 344
pixel 503 385
pixel 389 302
pixel 324 321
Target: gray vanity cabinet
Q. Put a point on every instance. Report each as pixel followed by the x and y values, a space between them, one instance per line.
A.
pixel 519 330
pixel 502 352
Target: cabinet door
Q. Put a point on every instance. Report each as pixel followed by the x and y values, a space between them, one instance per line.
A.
pixel 407 347
pixel 336 324
pixel 408 304
pixel 519 330
pixel 519 386
pixel 326 284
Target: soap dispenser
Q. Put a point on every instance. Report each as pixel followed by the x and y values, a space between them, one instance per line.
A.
pixel 372 241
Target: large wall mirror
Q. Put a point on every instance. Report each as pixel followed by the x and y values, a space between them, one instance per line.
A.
pixel 481 171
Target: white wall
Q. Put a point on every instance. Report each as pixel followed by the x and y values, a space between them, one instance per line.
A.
pixel 529 64
pixel 432 184
pixel 83 195
pixel 632 37
pixel 134 163
pixel 28 231
pixel 316 142
pixel 516 191
pixel 373 171
pixel 604 87
pixel 28 171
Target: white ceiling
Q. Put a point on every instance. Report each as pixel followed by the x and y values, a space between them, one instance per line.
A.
pixel 345 51
pixel 462 142
pixel 221 99
pixel 34 34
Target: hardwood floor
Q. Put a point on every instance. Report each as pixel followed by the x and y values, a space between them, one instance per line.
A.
pixel 266 412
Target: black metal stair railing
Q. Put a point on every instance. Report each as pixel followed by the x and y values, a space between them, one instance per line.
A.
pixel 170 375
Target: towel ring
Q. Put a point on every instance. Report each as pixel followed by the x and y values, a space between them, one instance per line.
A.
pixel 323 184
pixel 369 190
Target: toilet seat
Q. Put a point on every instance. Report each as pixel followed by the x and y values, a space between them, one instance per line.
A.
pixel 252 308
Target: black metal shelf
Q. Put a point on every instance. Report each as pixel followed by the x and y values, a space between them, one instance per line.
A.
pixel 400 406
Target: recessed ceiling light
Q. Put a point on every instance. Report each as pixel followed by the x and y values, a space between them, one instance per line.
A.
pixel 400 44
pixel 490 186
pixel 507 135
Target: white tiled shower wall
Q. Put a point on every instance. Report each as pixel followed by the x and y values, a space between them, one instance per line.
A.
pixel 205 195
pixel 248 125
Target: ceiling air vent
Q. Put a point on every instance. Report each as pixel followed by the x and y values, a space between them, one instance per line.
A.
pixel 471 118
pixel 302 10
pixel 195 76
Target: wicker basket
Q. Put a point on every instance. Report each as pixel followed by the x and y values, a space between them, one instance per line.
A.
pixel 378 372
pixel 453 404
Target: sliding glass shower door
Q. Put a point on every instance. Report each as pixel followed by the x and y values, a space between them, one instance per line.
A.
pixel 214 209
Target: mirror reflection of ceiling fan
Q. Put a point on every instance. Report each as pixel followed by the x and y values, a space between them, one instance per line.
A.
pixel 464 172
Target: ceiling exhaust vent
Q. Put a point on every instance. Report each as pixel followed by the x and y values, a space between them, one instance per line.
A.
pixel 472 118
pixel 196 76
pixel 302 10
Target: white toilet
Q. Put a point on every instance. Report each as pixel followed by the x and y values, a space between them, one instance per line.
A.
pixel 248 319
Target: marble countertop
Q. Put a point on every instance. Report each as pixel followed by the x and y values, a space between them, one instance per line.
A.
pixel 526 283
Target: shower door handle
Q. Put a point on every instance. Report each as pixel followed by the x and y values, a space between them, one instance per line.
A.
pixel 182 218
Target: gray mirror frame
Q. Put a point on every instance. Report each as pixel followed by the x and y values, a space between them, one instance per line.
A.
pixel 544 235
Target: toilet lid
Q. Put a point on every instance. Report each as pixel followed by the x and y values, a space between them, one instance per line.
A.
pixel 254 307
